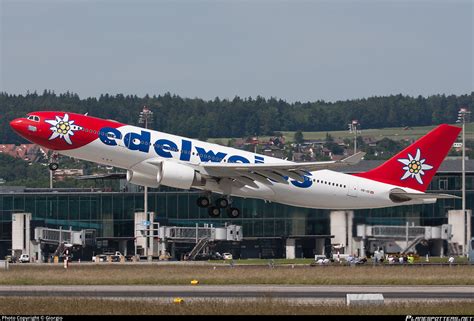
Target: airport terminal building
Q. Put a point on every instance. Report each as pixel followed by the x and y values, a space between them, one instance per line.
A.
pixel 270 230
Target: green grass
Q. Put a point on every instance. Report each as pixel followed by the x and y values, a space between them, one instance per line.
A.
pixel 81 306
pixel 218 274
pixel 395 133
pixel 420 260
pixel 264 261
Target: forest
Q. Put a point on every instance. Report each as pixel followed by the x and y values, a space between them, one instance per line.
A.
pixel 239 117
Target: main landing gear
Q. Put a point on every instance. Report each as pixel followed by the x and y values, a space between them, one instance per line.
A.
pixel 214 210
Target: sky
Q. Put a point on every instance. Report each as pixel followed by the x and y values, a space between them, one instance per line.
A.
pixel 293 50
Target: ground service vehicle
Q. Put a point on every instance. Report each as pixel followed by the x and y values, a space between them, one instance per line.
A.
pixel 24 258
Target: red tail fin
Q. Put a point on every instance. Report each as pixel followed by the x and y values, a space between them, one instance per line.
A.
pixel 415 166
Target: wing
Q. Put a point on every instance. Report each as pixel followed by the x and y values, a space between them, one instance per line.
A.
pixel 248 174
pixel 103 176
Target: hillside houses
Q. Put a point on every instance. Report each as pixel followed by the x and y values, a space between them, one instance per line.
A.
pixel 27 152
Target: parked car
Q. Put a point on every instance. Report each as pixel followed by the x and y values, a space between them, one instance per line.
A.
pixel 24 258
pixel 227 256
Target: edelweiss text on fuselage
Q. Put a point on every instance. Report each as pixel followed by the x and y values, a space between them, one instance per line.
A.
pixel 163 148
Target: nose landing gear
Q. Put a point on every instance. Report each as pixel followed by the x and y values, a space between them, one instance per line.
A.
pixel 53 162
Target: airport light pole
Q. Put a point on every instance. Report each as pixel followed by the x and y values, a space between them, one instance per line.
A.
pixel 50 179
pixel 463 117
pixel 354 127
pixel 146 117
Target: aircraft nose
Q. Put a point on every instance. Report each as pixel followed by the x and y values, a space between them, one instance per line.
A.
pixel 18 125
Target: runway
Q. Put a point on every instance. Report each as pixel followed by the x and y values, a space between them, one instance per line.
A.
pixel 238 291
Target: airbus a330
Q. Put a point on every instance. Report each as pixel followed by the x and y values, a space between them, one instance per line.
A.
pixel 152 158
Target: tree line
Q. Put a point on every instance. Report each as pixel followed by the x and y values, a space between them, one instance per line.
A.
pixel 239 117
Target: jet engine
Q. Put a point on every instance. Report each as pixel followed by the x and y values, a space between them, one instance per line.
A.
pixel 166 173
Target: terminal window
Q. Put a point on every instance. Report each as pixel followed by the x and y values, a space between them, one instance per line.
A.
pixel 443 183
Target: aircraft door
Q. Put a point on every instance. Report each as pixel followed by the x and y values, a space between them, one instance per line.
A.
pixel 352 189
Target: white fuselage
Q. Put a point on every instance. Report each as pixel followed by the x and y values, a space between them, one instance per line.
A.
pixel 323 189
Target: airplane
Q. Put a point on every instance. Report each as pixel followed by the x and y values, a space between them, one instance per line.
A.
pixel 152 158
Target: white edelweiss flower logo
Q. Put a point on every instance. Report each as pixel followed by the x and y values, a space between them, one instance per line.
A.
pixel 415 166
pixel 63 128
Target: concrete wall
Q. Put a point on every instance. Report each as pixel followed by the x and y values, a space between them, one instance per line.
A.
pixel 140 240
pixel 290 248
pixel 341 228
pixel 459 226
pixel 21 233
pixel 150 247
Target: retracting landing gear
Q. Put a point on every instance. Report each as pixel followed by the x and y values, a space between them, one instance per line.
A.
pixel 233 212
pixel 203 201
pixel 214 210
pixel 53 162
pixel 222 202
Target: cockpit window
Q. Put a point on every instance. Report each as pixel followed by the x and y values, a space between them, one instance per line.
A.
pixel 34 118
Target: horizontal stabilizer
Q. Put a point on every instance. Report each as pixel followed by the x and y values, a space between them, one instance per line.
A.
pixel 405 197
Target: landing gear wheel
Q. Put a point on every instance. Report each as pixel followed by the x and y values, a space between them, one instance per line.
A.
pixel 53 166
pixel 203 201
pixel 214 211
pixel 222 202
pixel 233 212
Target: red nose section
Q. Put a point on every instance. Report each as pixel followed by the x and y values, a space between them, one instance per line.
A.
pixel 61 130
pixel 19 125
pixel 31 130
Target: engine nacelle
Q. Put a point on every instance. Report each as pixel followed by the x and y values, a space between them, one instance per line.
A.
pixel 176 175
pixel 140 178
pixel 167 173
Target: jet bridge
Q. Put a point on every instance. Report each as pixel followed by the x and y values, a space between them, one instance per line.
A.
pixel 403 238
pixel 59 237
pixel 161 238
pixel 41 241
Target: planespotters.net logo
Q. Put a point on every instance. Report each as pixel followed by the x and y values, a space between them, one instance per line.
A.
pixel 438 318
pixel 63 128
